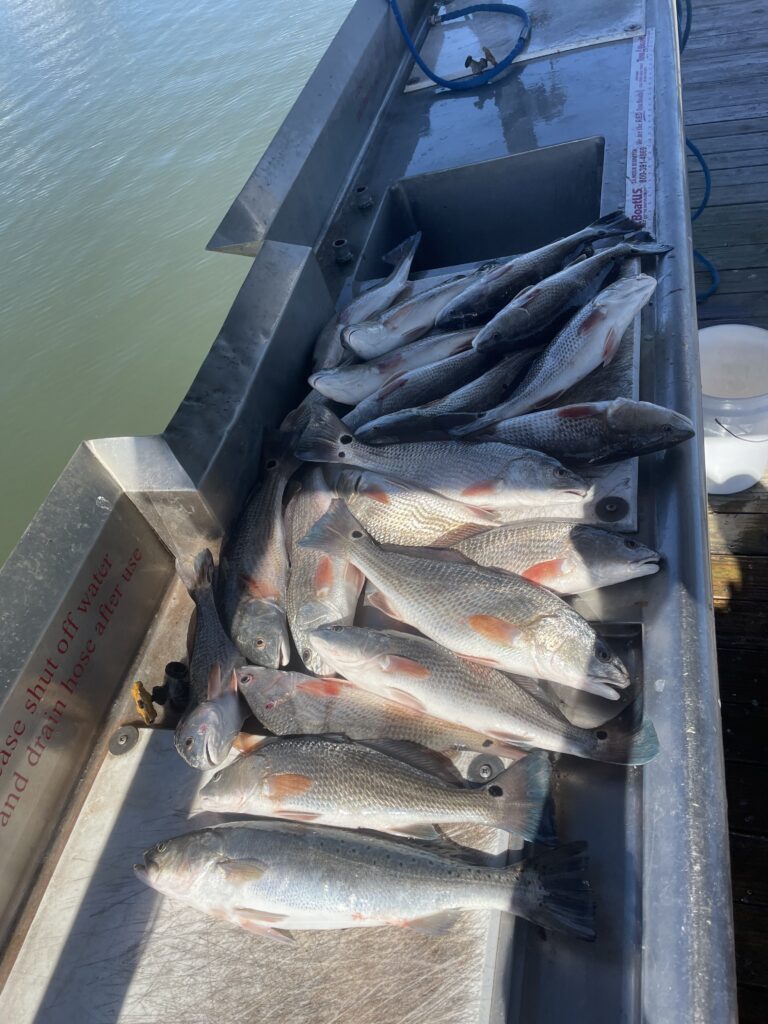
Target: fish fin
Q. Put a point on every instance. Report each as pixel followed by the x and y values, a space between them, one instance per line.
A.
pixel 391 386
pixel 396 664
pixel 564 902
pixel 483 488
pixel 423 758
pixel 323 686
pixel 260 922
pixel 289 815
pixel 611 345
pixel 371 490
pixel 594 319
pixel 521 792
pixel 495 629
pixel 324 576
pixel 406 699
pixel 644 244
pixel 616 223
pixel 247 742
pixel 320 440
pixel 335 532
pixel 200 577
pixel 433 924
pixel 616 745
pixel 427 833
pixel 404 250
pixel 544 572
pixel 284 785
pixel 460 533
pixel 257 590
pixel 241 870
pixel 576 412
pixel 376 599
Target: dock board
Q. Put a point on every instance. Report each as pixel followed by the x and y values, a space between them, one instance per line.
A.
pixel 727 118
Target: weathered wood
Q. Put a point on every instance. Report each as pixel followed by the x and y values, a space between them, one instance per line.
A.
pixel 723 153
pixel 747 785
pixel 749 857
pixel 755 499
pixel 745 729
pixel 723 193
pixel 734 256
pixel 745 533
pixel 744 223
pixel 743 677
pixel 741 282
pixel 716 128
pixel 742 624
pixel 739 577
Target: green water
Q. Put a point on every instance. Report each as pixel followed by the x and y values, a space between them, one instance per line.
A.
pixel 126 129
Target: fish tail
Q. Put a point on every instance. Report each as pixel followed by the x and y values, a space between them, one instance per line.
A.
pixel 297 420
pixel 404 251
pixel 321 439
pixel 521 793
pixel 200 575
pixel 616 223
pixel 335 532
pixel 562 901
pixel 642 243
pixel 617 745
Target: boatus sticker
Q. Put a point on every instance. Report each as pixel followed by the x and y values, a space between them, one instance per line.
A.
pixel 641 184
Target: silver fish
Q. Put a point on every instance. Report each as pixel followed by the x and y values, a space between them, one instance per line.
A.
pixel 596 432
pixel 253 572
pixel 403 323
pixel 495 288
pixel 388 786
pixel 426 678
pixel 353 383
pixel 289 704
pixel 208 728
pixel 321 589
pixel 328 348
pixel 273 877
pixel 589 339
pixel 394 512
pixel 433 420
pixel 565 556
pixel 539 306
pixel 414 387
pixel 488 475
pixel 486 614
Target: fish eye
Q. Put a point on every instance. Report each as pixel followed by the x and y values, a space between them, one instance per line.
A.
pixel 667 428
pixel 271 463
pixel 602 734
pixel 345 439
pixel 188 742
pixel 337 628
pixel 603 654
pixel 631 544
pixel 161 847
pixel 356 534
pixel 306 653
pixel 260 642
pixel 342 455
pixel 216 777
pixel 560 472
pixel 495 791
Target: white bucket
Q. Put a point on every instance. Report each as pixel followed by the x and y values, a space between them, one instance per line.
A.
pixel 734 384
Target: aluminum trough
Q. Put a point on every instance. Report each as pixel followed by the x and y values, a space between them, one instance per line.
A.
pixel 89 600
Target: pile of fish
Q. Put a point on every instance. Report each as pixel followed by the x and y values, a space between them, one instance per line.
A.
pixel 392 596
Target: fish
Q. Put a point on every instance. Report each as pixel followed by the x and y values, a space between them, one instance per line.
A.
pixel 321 589
pixel 428 679
pixel 596 433
pixel 290 703
pixel 434 419
pixel 395 512
pixel 414 387
pixel 329 351
pixel 351 384
pixel 538 307
pixel 206 731
pixel 402 323
pixel 590 339
pixel 486 475
pixel 490 615
pixel 253 571
pixel 494 289
pixel 385 785
pixel 273 877
pixel 567 557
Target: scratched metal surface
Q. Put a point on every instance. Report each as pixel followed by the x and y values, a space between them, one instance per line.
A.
pixel 104 948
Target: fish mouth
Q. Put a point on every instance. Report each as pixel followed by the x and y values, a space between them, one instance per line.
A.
pixel 647 567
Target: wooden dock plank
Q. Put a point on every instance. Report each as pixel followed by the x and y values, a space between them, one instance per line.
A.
pixel 743 678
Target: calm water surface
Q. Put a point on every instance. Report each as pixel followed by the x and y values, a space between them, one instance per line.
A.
pixel 126 129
